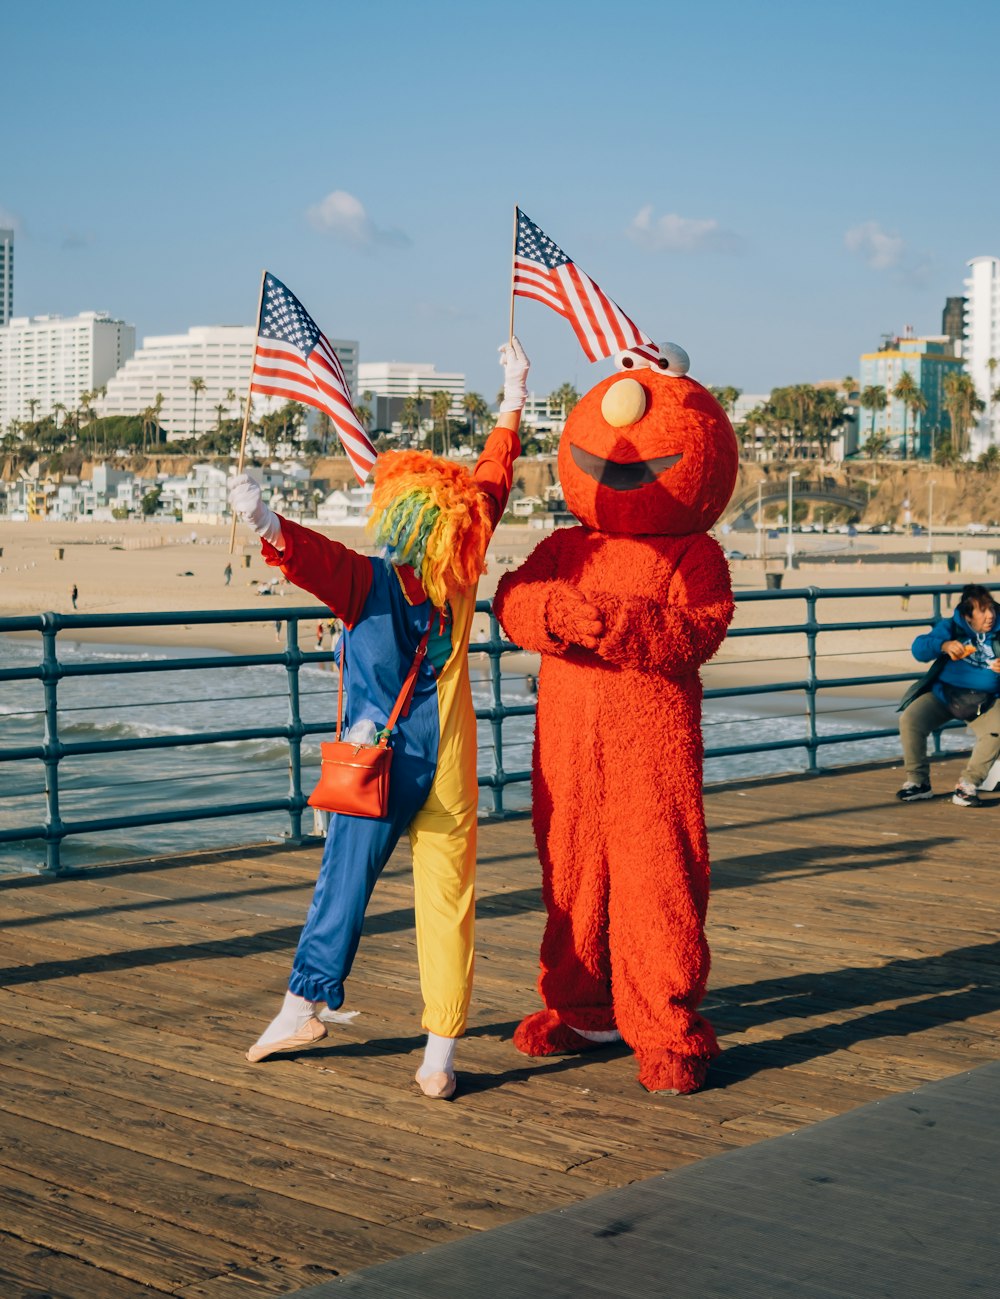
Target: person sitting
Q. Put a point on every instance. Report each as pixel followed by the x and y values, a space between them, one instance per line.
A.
pixel 963 683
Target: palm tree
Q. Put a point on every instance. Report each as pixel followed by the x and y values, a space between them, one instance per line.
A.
pixel 848 385
pixel 440 406
pixel 474 405
pixel 565 397
pixel 419 399
pixel 991 365
pixel 903 391
pixel 726 397
pixel 918 404
pixel 409 418
pixel 873 398
pixel 197 386
pixel 962 404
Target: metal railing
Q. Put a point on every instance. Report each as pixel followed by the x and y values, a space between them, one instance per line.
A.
pixel 52 749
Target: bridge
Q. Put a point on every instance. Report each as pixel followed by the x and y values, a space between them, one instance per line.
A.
pixel 777 494
pixel 855 964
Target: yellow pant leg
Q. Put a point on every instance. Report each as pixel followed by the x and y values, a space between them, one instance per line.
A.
pixel 443 840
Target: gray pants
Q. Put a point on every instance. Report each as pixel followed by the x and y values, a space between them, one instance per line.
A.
pixel 927 713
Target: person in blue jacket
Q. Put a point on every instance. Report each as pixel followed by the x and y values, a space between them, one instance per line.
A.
pixel 964 683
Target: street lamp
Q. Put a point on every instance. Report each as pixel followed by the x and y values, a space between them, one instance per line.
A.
pixel 790 545
pixel 760 521
pixel 930 516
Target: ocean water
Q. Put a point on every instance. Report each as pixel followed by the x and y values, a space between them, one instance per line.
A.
pixel 160 702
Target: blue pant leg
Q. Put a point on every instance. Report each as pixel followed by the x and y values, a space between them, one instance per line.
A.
pixel 357 849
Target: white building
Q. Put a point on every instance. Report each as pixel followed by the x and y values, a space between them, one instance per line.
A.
pixel 982 343
pixel 221 356
pixel 391 382
pixel 47 361
pixel 6 275
pixel 346 507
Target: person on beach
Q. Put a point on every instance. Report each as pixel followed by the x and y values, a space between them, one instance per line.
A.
pixel 227 573
pixel 73 595
pixel 435 520
pixel 963 683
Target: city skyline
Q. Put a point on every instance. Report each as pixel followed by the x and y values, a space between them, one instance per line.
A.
pixel 775 200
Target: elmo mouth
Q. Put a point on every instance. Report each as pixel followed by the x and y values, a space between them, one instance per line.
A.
pixel 621 477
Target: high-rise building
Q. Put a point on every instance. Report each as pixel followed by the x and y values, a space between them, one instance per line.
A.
pixel 391 382
pixel 953 319
pixel 6 275
pixel 981 346
pixel 928 361
pixel 220 356
pixel 50 361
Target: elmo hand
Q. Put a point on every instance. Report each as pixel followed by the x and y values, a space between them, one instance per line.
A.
pixel 570 617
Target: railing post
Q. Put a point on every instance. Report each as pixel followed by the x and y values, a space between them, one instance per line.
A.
pixel 496 724
pixel 811 631
pixel 53 750
pixel 293 661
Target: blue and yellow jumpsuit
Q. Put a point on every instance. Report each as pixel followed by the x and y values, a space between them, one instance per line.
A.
pixel 433 790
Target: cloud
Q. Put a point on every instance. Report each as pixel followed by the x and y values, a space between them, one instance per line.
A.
pixel 344 216
pixel 8 220
pixel 881 250
pixel 75 239
pixel 673 233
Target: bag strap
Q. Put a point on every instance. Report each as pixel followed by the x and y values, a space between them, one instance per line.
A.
pixel 402 704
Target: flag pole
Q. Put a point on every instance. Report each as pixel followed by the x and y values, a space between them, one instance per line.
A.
pixel 513 256
pixel 249 402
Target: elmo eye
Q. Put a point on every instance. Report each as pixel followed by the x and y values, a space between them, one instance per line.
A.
pixel 673 360
pixel 630 360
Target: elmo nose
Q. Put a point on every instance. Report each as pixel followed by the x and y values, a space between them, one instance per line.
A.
pixel 624 403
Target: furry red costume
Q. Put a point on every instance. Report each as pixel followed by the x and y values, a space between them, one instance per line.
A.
pixel 623 610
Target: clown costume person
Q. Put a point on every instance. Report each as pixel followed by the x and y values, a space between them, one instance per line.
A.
pixel 435 520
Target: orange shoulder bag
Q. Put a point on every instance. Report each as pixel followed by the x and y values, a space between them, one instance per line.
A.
pixel 354 778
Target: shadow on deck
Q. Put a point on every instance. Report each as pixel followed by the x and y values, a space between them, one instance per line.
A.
pixel 855 948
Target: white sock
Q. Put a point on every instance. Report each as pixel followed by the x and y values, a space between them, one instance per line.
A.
pixel 295 1011
pixel 439 1056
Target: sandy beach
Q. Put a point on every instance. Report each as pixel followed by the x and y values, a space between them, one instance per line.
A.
pixel 127 567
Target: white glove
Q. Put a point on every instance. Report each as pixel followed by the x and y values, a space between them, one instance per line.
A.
pixel 247 502
pixel 515 375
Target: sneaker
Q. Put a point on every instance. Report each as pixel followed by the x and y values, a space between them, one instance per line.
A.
pixel 913 793
pixel 966 796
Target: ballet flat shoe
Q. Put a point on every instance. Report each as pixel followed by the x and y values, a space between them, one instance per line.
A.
pixel 311 1032
pixel 438 1086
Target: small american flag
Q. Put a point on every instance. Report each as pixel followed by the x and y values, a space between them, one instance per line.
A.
pixel 294 360
pixel 543 271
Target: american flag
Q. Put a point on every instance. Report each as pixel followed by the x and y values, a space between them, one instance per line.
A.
pixel 294 360
pixel 543 271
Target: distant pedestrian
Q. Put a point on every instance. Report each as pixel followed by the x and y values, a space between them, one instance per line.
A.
pixel 319 635
pixel 73 595
pixel 277 629
pixel 905 599
pixel 227 573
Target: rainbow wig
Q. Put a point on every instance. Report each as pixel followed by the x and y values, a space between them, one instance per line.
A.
pixel 430 513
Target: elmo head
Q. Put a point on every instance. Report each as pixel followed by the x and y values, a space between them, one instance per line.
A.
pixel 648 450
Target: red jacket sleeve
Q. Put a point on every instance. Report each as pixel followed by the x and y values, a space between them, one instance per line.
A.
pixel 494 471
pixel 340 577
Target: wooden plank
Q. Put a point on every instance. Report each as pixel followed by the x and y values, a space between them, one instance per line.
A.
pixel 30 1271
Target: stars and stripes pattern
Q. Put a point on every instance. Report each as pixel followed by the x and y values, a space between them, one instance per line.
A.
pixel 544 272
pixel 294 360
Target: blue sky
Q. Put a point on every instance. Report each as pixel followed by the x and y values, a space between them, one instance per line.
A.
pixel 771 185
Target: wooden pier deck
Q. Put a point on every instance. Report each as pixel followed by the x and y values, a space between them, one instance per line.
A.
pixel 856 956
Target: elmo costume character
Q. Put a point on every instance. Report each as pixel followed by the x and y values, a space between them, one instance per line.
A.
pixel 623 610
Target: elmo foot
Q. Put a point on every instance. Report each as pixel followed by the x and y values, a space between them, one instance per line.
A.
pixel 544 1033
pixel 668 1072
